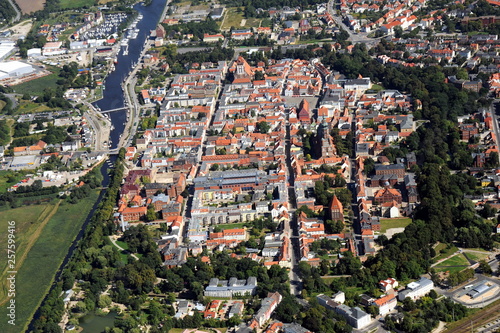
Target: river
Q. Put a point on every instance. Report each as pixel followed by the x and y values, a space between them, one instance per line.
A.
pixel 113 96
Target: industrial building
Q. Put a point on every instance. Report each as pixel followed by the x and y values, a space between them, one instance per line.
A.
pixel 6 47
pixel 479 290
pixel 14 68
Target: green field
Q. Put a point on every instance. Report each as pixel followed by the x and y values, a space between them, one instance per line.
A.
pixel 231 225
pixel 477 256
pixel 252 22
pixel 35 276
pixel 450 269
pixel 232 18
pixel 457 260
pixel 31 107
pixel 28 222
pixel 447 253
pixel 68 4
pixel 37 86
pixel 401 222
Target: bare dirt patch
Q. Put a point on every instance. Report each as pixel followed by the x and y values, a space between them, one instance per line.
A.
pixel 21 29
pixel 30 6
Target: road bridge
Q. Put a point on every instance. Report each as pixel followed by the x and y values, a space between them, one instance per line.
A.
pixel 114 110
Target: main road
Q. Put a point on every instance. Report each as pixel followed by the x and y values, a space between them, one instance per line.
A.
pixel 18 13
pixel 495 118
pixel 355 38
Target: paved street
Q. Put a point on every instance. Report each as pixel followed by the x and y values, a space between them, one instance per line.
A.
pixel 355 38
pixel 493 108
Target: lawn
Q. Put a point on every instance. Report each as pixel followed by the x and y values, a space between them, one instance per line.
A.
pixel 449 269
pixel 35 276
pixel 439 247
pixel 401 222
pixel 447 253
pixel 252 23
pixel 68 4
pixel 232 18
pixel 231 226
pixel 31 107
pixel 122 244
pixel 266 22
pixel 457 260
pixel 477 256
pixel 124 256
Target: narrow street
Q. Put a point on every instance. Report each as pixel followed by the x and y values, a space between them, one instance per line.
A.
pixel 291 229
pixel 493 110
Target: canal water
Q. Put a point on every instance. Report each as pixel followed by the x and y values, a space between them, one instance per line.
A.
pixel 113 96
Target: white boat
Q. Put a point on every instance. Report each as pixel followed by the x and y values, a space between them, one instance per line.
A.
pixel 124 42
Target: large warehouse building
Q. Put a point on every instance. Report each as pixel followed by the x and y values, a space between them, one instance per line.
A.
pixel 14 68
pixel 6 47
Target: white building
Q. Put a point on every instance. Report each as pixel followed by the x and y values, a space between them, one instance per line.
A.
pixel 355 317
pixel 386 304
pixel 388 284
pixel 53 48
pixel 417 289
pixel 14 68
pixel 6 47
pixel 231 287
pixel 35 52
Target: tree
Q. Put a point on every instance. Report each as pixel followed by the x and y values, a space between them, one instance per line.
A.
pixel 234 321
pixel 150 213
pixel 488 211
pixel 485 268
pixel 409 304
pixel 433 294
pixel 263 127
pixel 373 310
pixel 104 301
pixel 259 75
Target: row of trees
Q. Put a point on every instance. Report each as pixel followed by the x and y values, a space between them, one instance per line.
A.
pixel 198 29
pixel 7 12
